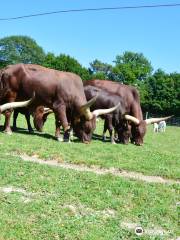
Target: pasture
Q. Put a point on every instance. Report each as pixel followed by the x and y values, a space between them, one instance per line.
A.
pixel 94 191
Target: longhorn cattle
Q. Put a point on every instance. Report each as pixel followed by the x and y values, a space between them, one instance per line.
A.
pixel 131 100
pixel 112 120
pixel 61 91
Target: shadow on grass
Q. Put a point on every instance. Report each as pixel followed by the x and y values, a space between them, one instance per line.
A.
pixel 98 137
pixel 25 131
pixel 35 133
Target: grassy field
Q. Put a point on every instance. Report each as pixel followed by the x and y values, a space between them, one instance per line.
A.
pixel 48 202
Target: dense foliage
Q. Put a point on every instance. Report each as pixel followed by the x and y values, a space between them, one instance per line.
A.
pixel 17 49
pixel 163 93
pixel 160 92
pixel 66 63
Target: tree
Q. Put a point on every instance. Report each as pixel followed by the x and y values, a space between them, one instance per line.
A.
pixel 124 74
pixel 20 49
pixel 66 63
pixel 50 61
pixel 131 67
pixel 100 70
pixel 176 95
pixel 163 93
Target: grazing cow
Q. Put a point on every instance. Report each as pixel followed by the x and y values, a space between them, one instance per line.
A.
pixel 155 127
pixel 107 100
pixel 61 91
pixel 132 105
pixel 162 126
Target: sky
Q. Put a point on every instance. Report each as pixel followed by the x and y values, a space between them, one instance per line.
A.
pixel 101 35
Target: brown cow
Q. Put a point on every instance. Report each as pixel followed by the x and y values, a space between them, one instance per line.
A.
pixel 105 99
pixel 61 91
pixel 131 100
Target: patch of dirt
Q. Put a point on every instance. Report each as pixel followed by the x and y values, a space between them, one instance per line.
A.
pixel 100 171
pixel 11 189
pixel 26 196
pixel 80 210
pixel 25 199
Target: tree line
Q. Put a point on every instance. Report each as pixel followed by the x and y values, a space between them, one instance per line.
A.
pixel 159 91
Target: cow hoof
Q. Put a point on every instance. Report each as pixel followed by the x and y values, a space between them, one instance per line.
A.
pixel 31 130
pixel 113 142
pixel 8 132
pixel 59 139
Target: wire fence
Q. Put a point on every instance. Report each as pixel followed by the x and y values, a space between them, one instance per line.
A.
pixel 174 121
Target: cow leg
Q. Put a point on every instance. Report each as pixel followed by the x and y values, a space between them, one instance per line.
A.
pixel 133 134
pixel 71 135
pixel 115 134
pixel 67 135
pixel 110 128
pixel 27 116
pixel 57 132
pixel 61 118
pixel 7 127
pixel 108 125
pixel 15 115
pixel 105 129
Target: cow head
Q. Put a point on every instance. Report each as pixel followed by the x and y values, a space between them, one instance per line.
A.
pixel 124 131
pixel 139 127
pixel 138 132
pixel 40 117
pixel 85 123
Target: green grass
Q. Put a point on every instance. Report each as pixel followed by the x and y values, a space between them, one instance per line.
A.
pixel 48 214
pixel 158 156
pixel 65 204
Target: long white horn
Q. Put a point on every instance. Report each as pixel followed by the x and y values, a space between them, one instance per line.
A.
pixel 85 109
pixel 48 111
pixel 132 119
pixel 89 103
pixel 99 112
pixel 6 106
pixel 156 120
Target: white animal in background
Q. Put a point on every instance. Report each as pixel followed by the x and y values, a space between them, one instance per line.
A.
pixel 162 126
pixel 155 127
